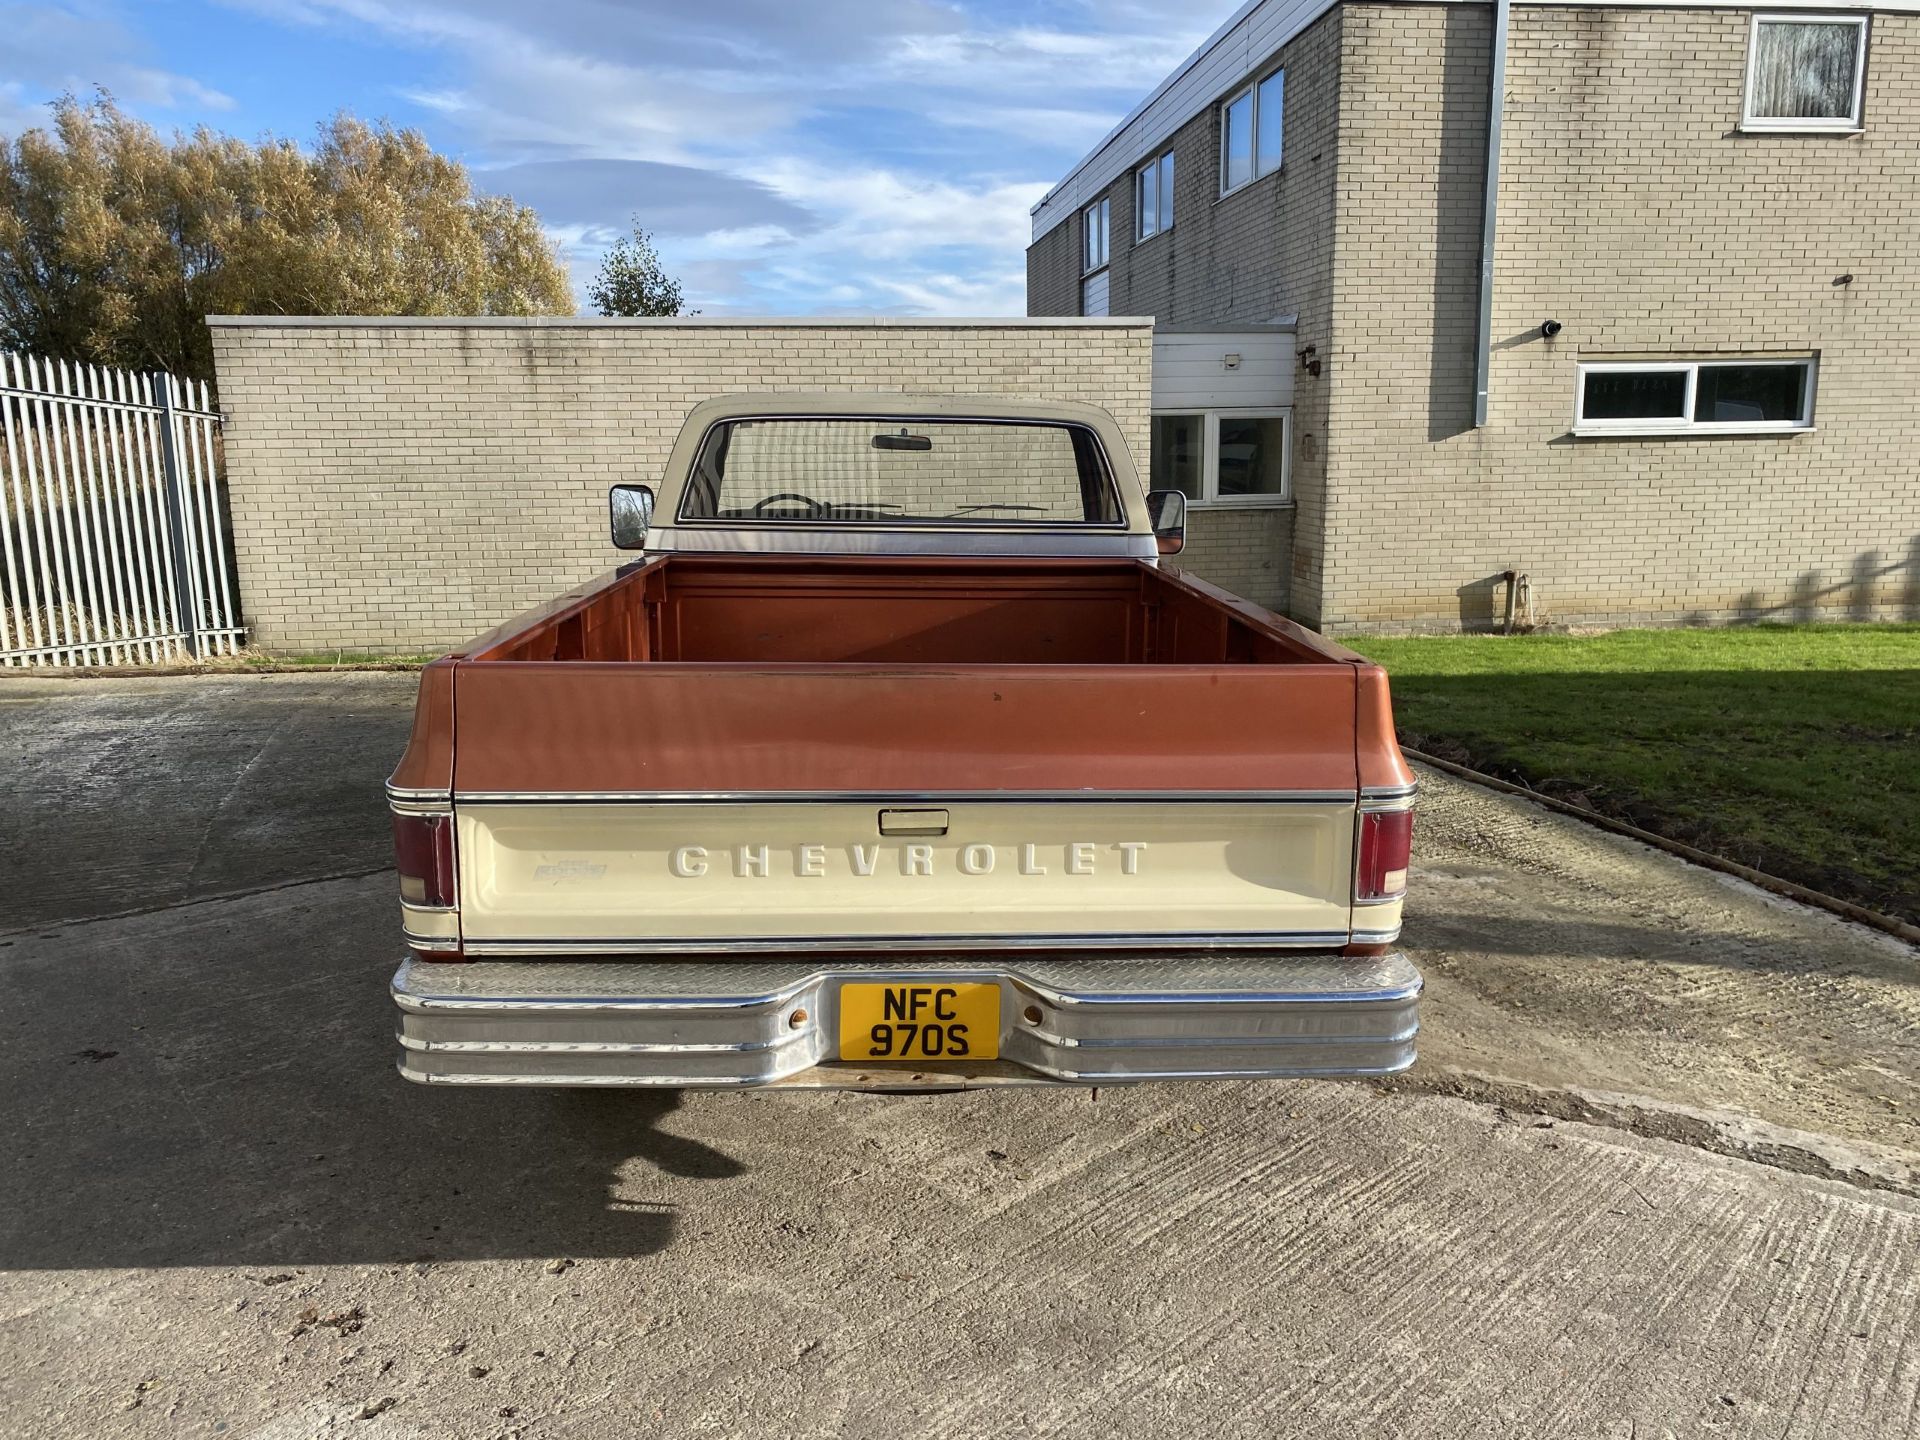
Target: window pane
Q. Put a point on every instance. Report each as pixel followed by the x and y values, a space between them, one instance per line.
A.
pixel 1166 190
pixel 963 472
pixel 1272 111
pixel 1804 71
pixel 1094 253
pixel 1146 202
pixel 1252 456
pixel 1635 395
pixel 1732 394
pixel 1177 448
pixel 1236 143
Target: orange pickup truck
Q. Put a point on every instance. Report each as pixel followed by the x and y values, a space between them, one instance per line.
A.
pixel 900 758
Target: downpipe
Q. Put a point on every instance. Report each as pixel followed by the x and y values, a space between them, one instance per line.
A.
pixel 1489 213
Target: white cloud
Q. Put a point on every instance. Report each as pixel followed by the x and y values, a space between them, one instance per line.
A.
pixel 79 46
pixel 167 90
pixel 882 214
pixel 855 153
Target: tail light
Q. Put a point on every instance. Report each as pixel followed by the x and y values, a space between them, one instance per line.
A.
pixel 423 851
pixel 1386 846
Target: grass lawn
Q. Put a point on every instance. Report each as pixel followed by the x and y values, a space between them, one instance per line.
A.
pixel 1791 748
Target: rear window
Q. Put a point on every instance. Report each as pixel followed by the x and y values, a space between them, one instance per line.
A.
pixel 878 470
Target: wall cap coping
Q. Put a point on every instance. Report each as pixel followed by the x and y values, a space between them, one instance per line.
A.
pixel 1279 325
pixel 678 322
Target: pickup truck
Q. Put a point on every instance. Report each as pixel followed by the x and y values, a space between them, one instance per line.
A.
pixel 899 758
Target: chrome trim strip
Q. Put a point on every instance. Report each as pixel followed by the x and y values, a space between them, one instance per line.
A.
pixel 431 944
pixel 1394 899
pixel 1376 937
pixel 1386 806
pixel 737 945
pixel 667 540
pixel 595 1047
pixel 1390 792
pixel 404 792
pixel 604 1004
pixel 1206 1042
pixel 402 801
pixel 888 797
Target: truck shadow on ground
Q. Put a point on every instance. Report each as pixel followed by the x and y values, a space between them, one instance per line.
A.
pixel 185 1135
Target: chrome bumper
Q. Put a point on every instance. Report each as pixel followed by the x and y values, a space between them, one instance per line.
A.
pixel 1086 1018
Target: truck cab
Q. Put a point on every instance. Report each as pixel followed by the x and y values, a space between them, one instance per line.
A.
pixel 902 754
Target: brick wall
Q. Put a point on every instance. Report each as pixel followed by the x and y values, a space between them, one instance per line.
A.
pixel 1632 211
pixel 1053 271
pixel 1246 551
pixel 1250 257
pixel 400 487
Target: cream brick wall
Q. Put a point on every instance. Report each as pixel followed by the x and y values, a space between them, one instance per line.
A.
pixel 1247 551
pixel 400 487
pixel 1632 211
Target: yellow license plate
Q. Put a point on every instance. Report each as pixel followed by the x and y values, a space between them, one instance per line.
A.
pixel 932 1021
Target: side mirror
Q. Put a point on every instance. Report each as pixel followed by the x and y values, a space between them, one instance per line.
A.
pixel 630 511
pixel 1167 513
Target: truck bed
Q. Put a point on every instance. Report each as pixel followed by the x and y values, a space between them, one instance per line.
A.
pixel 782 609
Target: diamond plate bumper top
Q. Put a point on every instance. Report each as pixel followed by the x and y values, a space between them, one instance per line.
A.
pixel 1093 1018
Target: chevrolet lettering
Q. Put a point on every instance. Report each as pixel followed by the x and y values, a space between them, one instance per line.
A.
pixel 901 753
pixel 816 862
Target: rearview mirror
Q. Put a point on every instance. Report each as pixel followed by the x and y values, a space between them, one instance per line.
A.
pixel 1167 513
pixel 630 511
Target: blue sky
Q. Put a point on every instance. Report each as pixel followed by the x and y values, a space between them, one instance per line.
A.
pixel 790 156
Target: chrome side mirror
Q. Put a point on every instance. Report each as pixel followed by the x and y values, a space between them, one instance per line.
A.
pixel 1167 513
pixel 630 511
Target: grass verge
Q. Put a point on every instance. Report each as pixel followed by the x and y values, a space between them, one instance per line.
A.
pixel 1794 749
pixel 338 660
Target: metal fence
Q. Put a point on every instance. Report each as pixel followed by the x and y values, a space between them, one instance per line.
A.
pixel 113 535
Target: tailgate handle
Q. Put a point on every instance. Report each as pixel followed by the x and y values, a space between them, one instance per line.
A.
pixel 913 822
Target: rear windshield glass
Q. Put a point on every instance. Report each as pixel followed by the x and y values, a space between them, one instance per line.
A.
pixel 873 470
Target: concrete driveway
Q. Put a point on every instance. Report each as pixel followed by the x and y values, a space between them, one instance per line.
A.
pixel 222 1212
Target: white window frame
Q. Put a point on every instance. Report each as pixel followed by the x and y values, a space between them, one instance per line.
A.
pixel 1685 424
pixel 1848 124
pixel 1251 93
pixel 1210 497
pixel 1159 168
pixel 1090 227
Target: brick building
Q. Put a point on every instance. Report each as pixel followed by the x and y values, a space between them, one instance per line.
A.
pixel 1666 372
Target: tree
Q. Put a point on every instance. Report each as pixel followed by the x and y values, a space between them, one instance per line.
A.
pixel 632 281
pixel 114 242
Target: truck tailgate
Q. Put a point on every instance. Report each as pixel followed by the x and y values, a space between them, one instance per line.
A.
pixel 614 808
pixel 704 876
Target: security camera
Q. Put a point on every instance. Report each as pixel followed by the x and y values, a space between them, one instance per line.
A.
pixel 1550 328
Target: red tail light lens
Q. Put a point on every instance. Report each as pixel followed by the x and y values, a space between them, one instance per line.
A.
pixel 423 851
pixel 1386 846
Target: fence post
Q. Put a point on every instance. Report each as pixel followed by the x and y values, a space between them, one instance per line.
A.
pixel 175 473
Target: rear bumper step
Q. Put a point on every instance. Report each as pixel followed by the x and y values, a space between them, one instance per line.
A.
pixel 1085 1018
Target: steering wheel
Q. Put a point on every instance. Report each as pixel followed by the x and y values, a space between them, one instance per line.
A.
pixel 814 507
